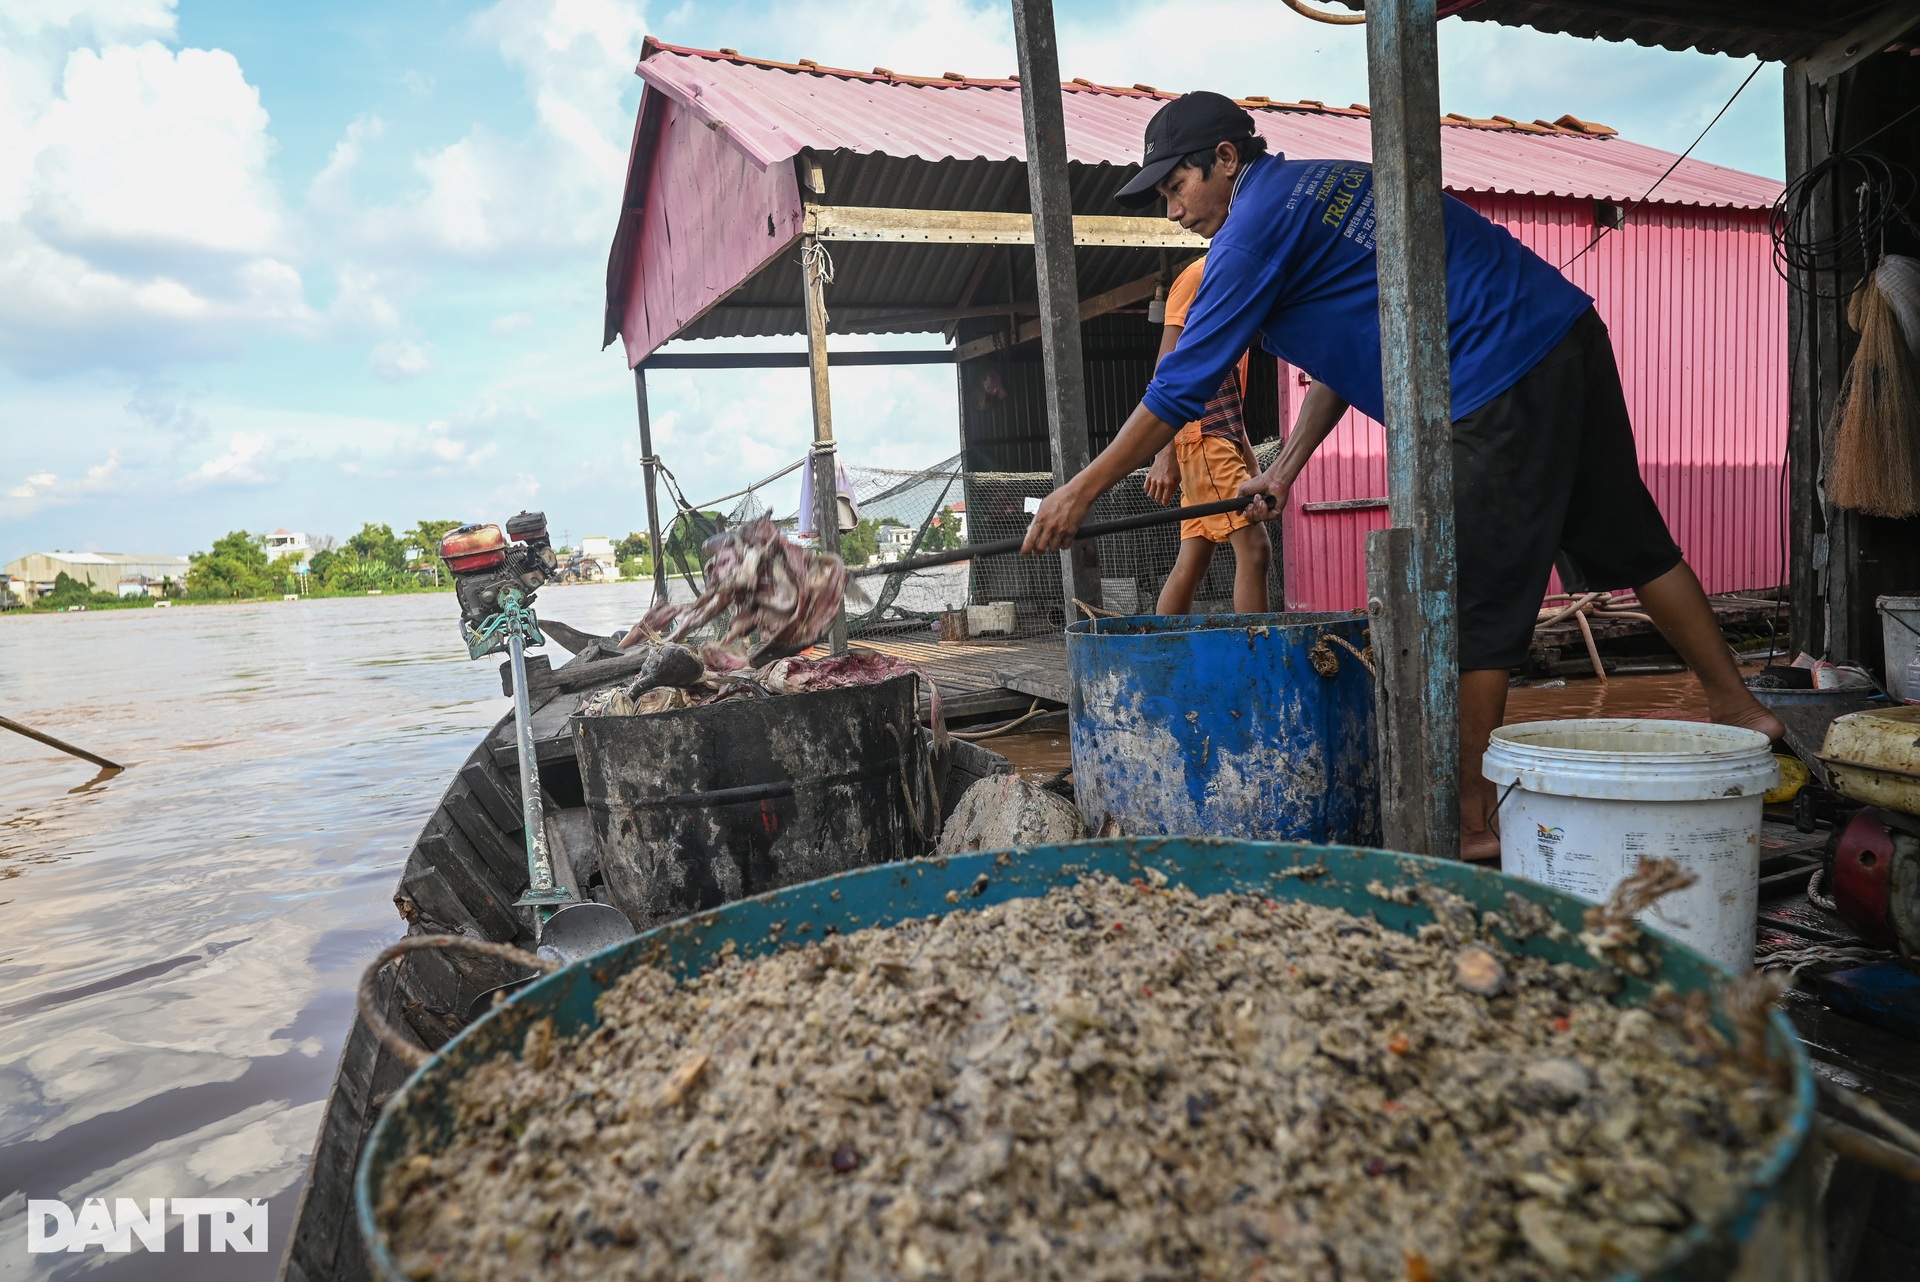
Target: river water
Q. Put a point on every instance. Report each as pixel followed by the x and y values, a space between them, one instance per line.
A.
pixel 179 944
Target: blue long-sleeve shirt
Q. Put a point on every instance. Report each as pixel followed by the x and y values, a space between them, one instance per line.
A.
pixel 1294 268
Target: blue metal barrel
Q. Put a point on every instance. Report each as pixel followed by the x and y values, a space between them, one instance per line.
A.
pixel 1257 726
pixel 1767 1234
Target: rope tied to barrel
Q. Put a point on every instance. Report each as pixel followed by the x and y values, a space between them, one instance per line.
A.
pixel 1327 663
pixel 404 1048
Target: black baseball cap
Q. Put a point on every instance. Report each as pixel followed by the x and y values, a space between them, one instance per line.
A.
pixel 1192 122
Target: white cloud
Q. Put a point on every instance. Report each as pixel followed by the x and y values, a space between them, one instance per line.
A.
pixel 136 213
pixel 510 324
pixel 39 490
pixel 35 485
pixel 400 360
pixel 488 196
pixel 244 463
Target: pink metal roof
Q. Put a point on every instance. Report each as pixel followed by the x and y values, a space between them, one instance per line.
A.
pixel 771 111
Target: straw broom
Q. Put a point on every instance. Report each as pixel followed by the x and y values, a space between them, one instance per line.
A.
pixel 1874 460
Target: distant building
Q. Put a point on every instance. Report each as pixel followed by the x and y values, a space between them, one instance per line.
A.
pixel 139 585
pixel 285 542
pixel 596 561
pixel 100 571
pixel 892 542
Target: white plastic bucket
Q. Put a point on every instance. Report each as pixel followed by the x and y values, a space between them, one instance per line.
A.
pixel 1585 801
pixel 1900 633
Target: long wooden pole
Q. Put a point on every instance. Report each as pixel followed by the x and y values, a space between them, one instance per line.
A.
pixel 1420 793
pixel 826 503
pixel 1052 199
pixel 8 723
pixel 1091 530
pixel 648 465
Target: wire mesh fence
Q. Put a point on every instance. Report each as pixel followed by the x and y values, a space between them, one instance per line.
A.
pixel 905 513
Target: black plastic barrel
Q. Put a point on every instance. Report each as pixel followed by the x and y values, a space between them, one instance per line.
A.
pixel 697 808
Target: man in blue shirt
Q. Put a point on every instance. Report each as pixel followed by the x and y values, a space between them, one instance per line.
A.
pixel 1544 461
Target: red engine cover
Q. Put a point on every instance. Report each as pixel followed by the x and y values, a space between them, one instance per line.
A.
pixel 473 547
pixel 1863 877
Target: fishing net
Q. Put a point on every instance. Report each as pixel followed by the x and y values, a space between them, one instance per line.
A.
pixel 906 513
pixel 1873 462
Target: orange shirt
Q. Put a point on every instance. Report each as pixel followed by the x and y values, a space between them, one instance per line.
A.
pixel 1221 420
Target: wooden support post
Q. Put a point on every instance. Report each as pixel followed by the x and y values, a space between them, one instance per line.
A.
pixel 826 485
pixel 1396 707
pixel 1420 788
pixel 649 465
pixel 1805 131
pixel 1052 200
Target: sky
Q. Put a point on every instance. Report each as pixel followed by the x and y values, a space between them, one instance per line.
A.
pixel 315 265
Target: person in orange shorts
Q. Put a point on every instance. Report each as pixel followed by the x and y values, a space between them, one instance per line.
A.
pixel 1207 461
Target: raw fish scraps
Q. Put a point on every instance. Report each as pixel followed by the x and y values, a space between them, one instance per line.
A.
pixel 1111 1081
pixel 788 594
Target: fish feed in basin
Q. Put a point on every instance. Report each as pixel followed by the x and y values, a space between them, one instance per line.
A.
pixel 1258 726
pixel 1150 1057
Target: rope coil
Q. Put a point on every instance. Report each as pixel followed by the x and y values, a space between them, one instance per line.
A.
pixel 404 1048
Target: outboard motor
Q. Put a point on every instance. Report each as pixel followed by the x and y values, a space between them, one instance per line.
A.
pixel 495 575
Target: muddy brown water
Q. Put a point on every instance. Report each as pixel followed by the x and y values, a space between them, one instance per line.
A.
pixel 179 944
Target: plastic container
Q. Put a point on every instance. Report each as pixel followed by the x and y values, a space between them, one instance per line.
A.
pixel 1257 726
pixel 1584 801
pixel 1900 638
pixel 1873 757
pixel 1769 1233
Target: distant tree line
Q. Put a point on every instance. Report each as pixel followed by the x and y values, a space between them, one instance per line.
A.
pixel 238 566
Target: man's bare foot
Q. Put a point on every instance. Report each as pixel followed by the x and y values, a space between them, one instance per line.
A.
pixel 1755 715
pixel 1480 847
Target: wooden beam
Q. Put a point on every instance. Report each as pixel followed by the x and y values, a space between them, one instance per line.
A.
pixel 791 360
pixel 826 505
pixel 1805 524
pixel 1099 305
pixel 649 465
pixel 983 262
pixel 1054 235
pixel 1886 25
pixel 1420 793
pixel 979 227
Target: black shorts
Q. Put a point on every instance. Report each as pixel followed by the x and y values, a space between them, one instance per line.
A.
pixel 1548 467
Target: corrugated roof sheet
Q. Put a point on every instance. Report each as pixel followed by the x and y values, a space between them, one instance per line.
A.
pixel 772 111
pixel 1776 30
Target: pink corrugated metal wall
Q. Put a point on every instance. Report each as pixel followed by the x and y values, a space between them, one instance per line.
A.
pixel 711 220
pixel 1698 318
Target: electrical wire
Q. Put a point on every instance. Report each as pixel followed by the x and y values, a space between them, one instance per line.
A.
pixel 1601 234
pixel 1880 192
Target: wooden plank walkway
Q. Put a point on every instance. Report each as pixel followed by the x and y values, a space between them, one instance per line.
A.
pixel 969 672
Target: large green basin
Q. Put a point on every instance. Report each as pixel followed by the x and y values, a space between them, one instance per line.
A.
pixel 1767 1237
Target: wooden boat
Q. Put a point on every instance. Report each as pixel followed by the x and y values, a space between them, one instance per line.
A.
pixel 465 870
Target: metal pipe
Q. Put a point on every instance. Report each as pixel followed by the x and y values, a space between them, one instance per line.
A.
pixel 540 888
pixel 649 466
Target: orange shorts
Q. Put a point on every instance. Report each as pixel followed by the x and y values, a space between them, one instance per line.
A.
pixel 1211 468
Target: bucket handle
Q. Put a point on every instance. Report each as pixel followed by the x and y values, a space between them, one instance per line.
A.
pixel 404 1048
